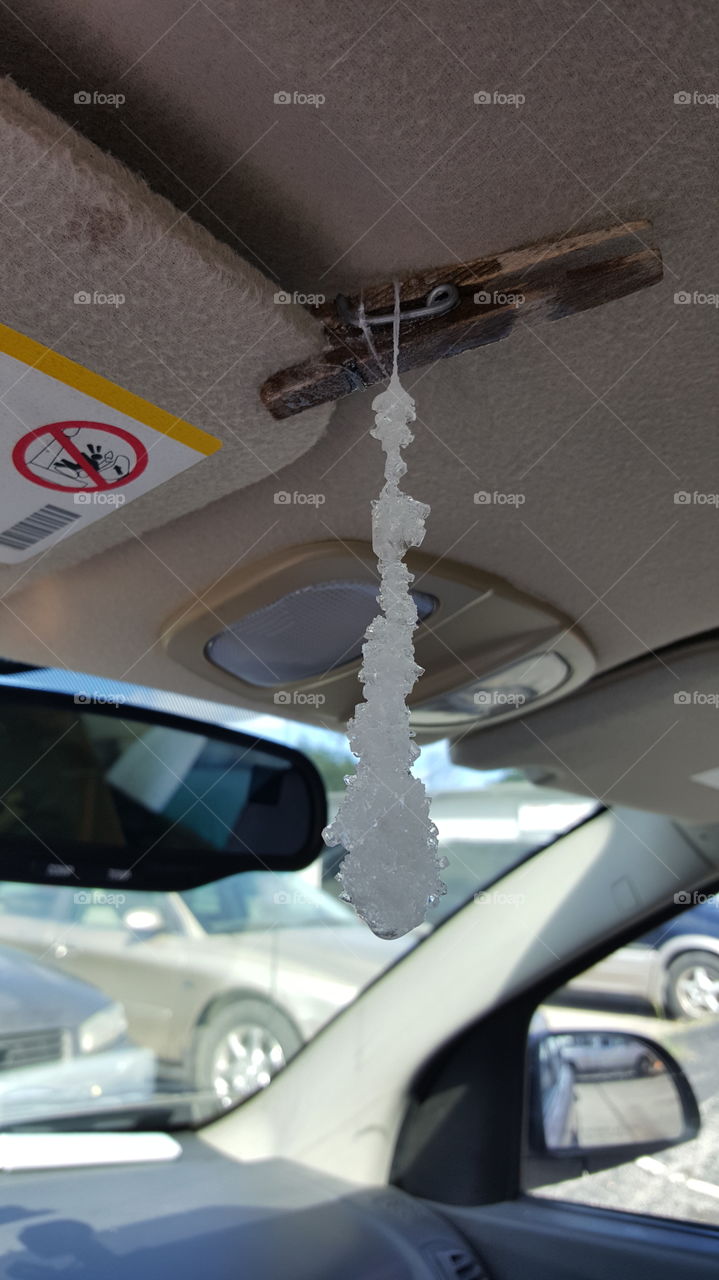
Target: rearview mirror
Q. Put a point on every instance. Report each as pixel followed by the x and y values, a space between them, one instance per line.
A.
pixel 108 795
pixel 601 1098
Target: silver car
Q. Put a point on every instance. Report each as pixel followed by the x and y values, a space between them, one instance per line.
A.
pixel 600 1053
pixel 674 968
pixel 63 1044
pixel 224 983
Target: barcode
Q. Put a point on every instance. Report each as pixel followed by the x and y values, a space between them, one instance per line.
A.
pixel 39 525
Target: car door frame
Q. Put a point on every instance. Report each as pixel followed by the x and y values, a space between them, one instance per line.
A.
pixel 464 1138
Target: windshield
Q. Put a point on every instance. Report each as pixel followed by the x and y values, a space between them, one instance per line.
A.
pixel 263 900
pixel 113 1000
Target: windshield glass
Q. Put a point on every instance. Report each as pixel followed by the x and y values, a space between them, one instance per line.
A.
pixel 262 900
pixel 113 999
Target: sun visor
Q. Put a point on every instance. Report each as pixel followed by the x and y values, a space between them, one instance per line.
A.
pixel 120 312
pixel 645 735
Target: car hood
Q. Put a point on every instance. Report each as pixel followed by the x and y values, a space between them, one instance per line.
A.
pixel 34 996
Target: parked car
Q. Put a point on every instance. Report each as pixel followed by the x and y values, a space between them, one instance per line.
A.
pixel 223 983
pixel 62 1042
pixel 595 1054
pixel 675 967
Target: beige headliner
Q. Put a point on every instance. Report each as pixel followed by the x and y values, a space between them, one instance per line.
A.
pixel 314 202
pixel 73 220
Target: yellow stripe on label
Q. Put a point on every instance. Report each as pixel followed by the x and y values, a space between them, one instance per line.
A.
pixel 92 384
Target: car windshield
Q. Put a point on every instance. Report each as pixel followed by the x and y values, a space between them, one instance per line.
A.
pixel 258 900
pixel 114 1000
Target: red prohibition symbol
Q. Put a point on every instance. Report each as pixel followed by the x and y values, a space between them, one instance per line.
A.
pixel 79 455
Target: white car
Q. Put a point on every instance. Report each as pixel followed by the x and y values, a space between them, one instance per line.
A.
pixel 604 1054
pixel 221 984
pixel 63 1043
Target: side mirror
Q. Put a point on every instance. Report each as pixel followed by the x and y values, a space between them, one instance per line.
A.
pixel 144 921
pixel 599 1098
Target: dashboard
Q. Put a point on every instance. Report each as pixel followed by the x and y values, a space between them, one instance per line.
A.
pixel 205 1217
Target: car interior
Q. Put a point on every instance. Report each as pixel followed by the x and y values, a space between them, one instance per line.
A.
pixel 228 229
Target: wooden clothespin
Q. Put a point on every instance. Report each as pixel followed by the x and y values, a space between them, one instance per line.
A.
pixel 452 309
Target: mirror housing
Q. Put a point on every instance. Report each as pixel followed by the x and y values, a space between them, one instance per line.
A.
pixel 108 794
pixel 599 1098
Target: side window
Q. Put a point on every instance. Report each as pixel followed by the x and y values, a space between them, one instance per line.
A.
pixel 620 1135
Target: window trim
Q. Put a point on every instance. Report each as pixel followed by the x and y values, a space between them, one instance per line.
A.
pixel 459 1141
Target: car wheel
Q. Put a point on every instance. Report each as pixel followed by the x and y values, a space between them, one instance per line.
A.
pixel 241 1048
pixel 693 985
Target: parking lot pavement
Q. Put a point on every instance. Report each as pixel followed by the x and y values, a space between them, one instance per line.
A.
pixel 681 1182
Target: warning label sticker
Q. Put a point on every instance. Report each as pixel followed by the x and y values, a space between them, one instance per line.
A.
pixel 80 455
pixel 74 446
